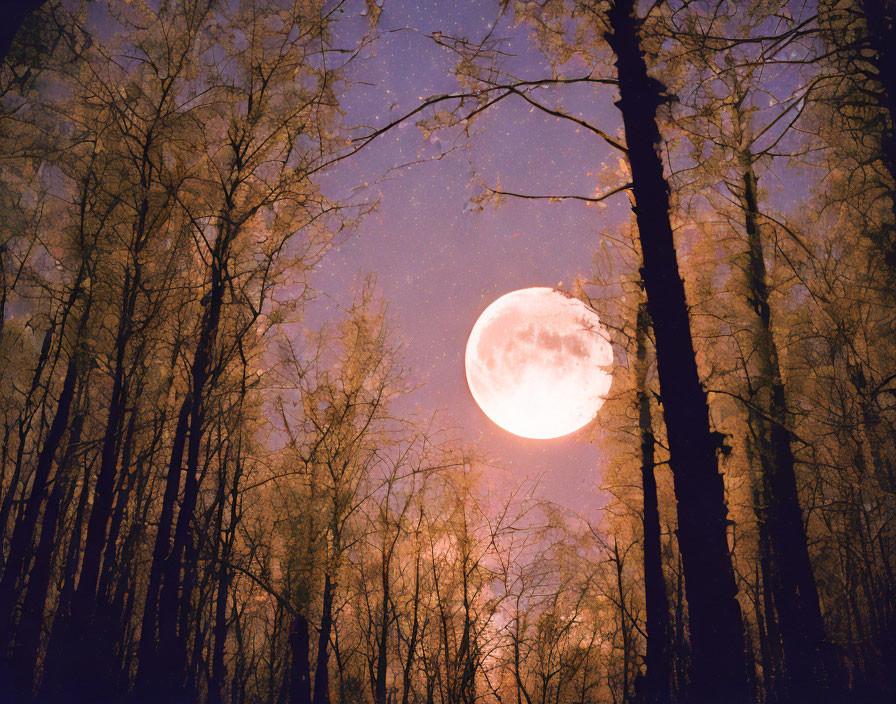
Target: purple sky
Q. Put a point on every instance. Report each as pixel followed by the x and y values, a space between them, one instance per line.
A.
pixel 438 263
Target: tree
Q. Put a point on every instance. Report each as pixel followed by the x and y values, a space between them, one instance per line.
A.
pixel 729 118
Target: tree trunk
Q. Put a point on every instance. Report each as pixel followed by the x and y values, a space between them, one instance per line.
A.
pixel 24 427
pixel 103 495
pixel 716 628
pixel 173 590
pixel 657 607
pixel 321 669
pixel 83 672
pixel 26 649
pixel 682 656
pixel 769 636
pixel 773 633
pixel 300 664
pixel 23 533
pixel 55 660
pixel 879 19
pixel 225 576
pixel 147 672
pixel 623 624
pixel 19 555
pixel 110 563
pixel 219 635
pixel 379 689
pixel 412 639
pixel 796 599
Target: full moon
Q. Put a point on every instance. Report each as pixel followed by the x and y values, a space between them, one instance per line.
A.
pixel 538 363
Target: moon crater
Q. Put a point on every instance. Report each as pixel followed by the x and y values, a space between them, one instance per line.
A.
pixel 538 363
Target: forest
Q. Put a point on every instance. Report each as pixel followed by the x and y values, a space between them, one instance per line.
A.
pixel 212 489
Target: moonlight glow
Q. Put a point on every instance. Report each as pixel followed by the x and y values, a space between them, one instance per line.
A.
pixel 538 363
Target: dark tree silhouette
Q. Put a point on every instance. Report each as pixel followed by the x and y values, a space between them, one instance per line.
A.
pixel 716 628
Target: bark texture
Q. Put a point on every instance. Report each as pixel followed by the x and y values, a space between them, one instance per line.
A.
pixel 716 627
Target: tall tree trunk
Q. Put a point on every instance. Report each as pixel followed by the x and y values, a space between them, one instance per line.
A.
pixel 300 661
pixel 658 660
pixel 772 676
pixel 716 627
pixel 23 533
pixel 54 669
pixel 682 656
pixel 26 649
pixel 218 671
pixel 110 553
pixel 225 576
pixel 147 649
pixel 879 21
pixel 796 599
pixel 24 423
pixel 19 556
pixel 623 623
pixel 379 689
pixel 84 668
pixel 766 618
pixel 123 599
pixel 173 590
pixel 412 639
pixel 321 669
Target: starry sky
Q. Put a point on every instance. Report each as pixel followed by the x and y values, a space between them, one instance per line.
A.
pixel 438 262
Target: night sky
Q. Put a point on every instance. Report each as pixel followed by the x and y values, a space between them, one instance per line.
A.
pixel 438 262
